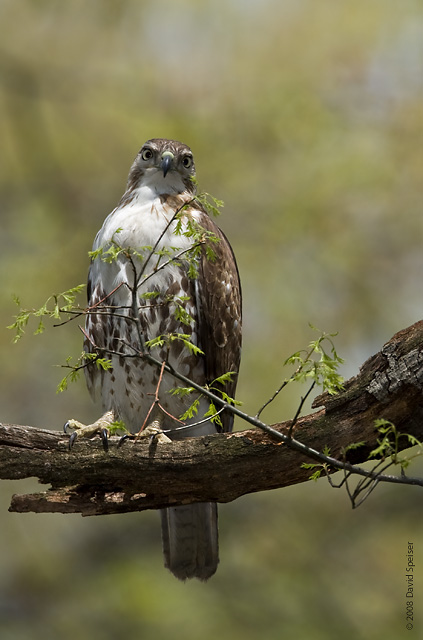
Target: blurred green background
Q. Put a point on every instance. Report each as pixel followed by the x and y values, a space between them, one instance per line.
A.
pixel 306 118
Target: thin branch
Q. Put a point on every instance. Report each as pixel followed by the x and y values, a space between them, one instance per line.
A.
pixel 365 399
pixel 273 397
pixel 195 424
pixel 162 234
pixel 288 440
pixel 300 408
pixel 287 381
pixel 171 260
pixel 224 466
pixel 156 403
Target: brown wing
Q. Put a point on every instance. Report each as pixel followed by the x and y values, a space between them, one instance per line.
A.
pixel 218 297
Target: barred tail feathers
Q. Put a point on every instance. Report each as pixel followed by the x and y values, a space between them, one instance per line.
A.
pixel 190 540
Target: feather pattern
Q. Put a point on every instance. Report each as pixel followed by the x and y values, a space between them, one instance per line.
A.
pixel 141 265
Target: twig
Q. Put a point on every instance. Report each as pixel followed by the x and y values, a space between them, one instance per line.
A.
pixel 156 402
pixel 159 239
pixel 273 397
pixel 300 408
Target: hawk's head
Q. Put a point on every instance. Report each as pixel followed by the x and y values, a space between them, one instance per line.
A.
pixel 167 166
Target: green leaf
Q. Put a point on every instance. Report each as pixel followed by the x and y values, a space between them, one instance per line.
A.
pixel 225 397
pixel 159 341
pixel 210 203
pixel 212 414
pixel 103 363
pixel 117 426
pixel 318 469
pixel 210 254
pixel 63 385
pixel 316 475
pixel 191 411
pixel 42 311
pixel 190 345
pixel 40 328
pixel 181 391
pixel 319 364
pixel 181 315
pixel 192 271
pixel 224 378
pixel 353 446
pixel 326 450
pixel 96 253
pixel 413 440
pixel 149 295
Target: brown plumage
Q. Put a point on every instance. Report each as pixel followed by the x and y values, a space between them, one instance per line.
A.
pixel 169 300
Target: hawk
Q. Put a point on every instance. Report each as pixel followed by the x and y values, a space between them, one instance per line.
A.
pixel 163 278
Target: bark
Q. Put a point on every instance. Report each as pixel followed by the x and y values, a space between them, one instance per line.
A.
pixel 149 474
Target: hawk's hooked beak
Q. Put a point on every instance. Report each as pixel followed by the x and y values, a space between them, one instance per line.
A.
pixel 166 163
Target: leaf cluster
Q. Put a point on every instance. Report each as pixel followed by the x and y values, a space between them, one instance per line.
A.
pixel 166 340
pixel 82 362
pixel 318 467
pixel 200 238
pixel 215 387
pixel 53 307
pixel 208 202
pixel 388 443
pixel 319 364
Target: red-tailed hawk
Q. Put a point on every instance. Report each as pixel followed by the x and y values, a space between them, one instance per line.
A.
pixel 161 268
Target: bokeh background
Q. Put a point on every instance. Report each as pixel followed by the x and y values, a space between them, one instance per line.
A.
pixel 306 118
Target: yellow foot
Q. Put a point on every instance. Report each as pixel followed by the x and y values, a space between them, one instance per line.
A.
pixel 100 426
pixel 152 431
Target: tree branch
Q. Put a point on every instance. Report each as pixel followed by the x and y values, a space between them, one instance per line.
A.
pixel 148 474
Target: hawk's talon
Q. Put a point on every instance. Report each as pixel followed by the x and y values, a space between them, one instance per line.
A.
pixel 72 424
pixel 72 439
pixel 99 427
pixel 104 434
pixel 152 432
pixel 125 437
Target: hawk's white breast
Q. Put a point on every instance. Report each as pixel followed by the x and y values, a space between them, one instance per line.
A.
pixel 144 224
pixel 139 224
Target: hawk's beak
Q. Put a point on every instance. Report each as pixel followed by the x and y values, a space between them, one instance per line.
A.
pixel 166 163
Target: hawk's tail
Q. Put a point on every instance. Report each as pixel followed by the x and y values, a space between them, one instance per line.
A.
pixel 190 540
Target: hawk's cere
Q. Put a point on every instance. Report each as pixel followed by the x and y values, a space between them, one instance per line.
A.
pixel 161 260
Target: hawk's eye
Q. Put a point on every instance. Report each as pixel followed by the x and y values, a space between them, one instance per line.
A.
pixel 146 154
pixel 187 162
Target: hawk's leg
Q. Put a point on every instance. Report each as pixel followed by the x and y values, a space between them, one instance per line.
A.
pixel 100 426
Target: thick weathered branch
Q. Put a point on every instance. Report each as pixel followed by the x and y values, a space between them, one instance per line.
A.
pixel 149 475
